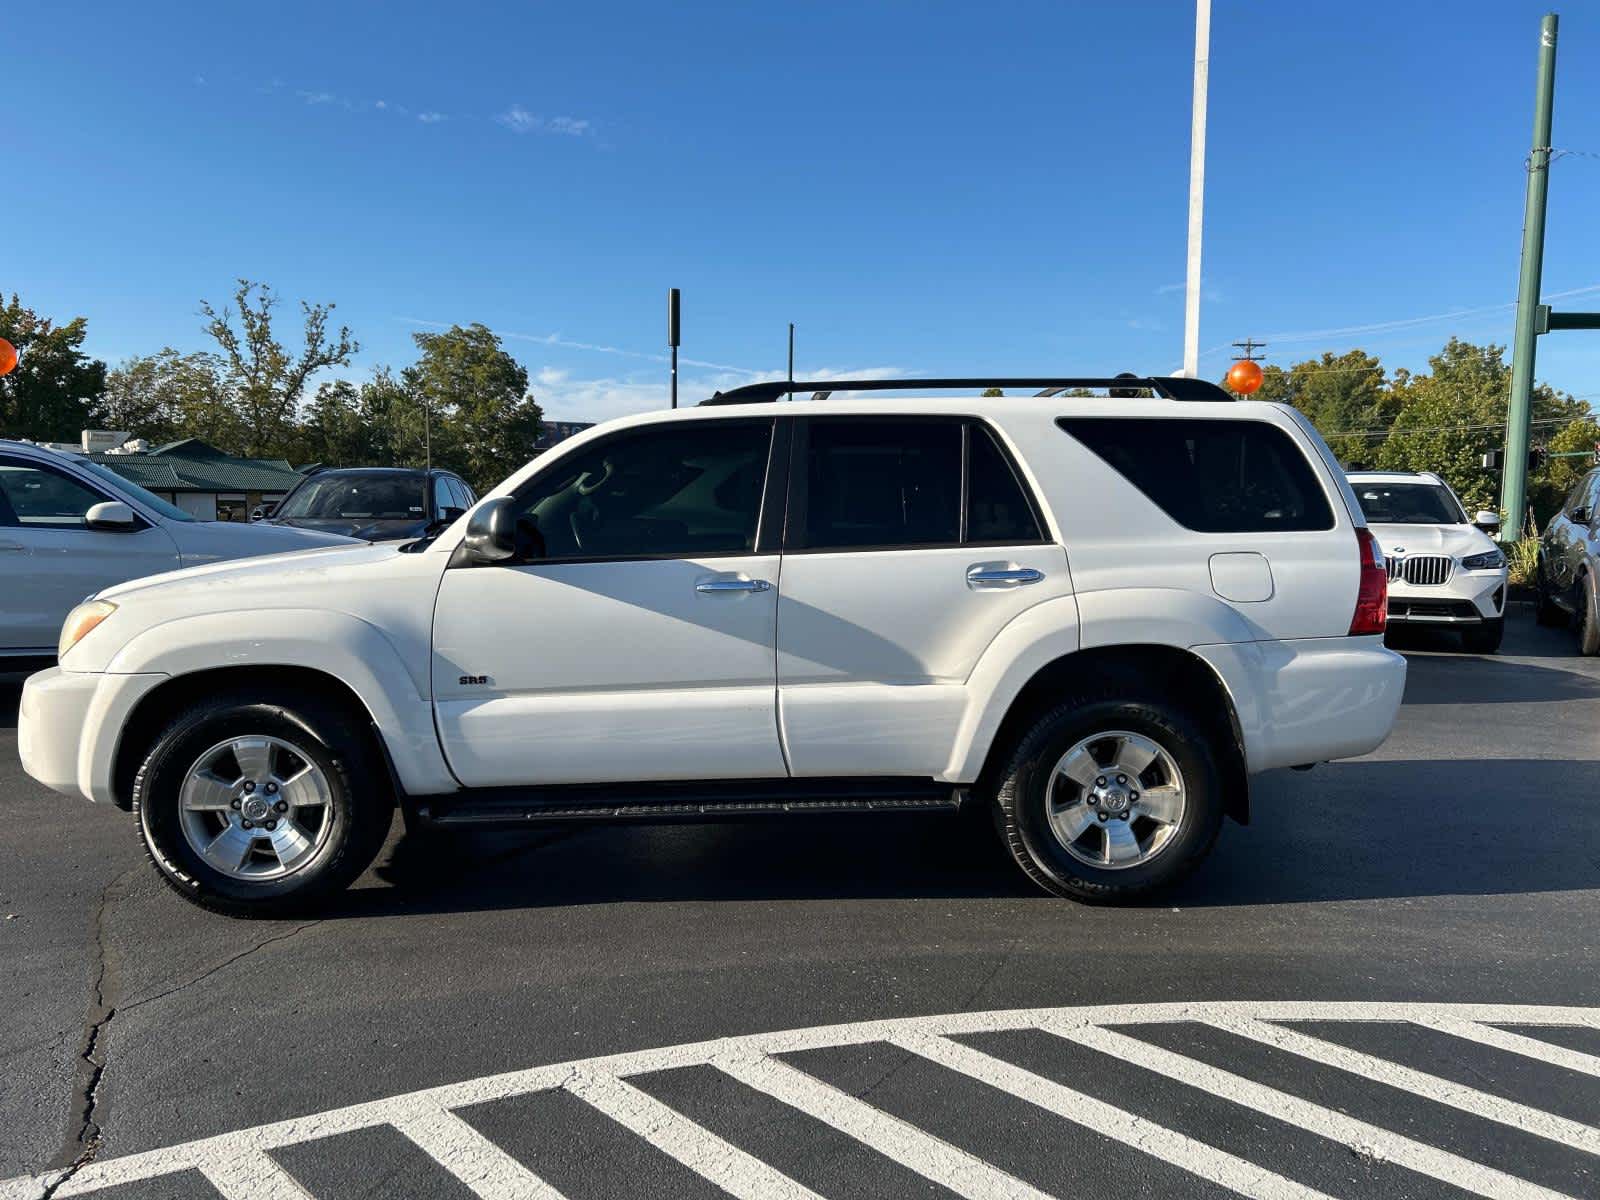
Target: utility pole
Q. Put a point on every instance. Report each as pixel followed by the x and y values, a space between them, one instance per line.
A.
pixel 1197 187
pixel 1514 483
pixel 791 360
pixel 1247 350
pixel 672 338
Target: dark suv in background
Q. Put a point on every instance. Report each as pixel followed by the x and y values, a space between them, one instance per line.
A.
pixel 379 504
pixel 1569 564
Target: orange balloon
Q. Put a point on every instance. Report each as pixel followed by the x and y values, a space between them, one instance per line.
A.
pixel 8 357
pixel 1244 377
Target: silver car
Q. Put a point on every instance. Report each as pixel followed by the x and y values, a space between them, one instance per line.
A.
pixel 1569 564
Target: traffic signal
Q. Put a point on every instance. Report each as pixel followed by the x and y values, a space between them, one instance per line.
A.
pixel 1536 458
pixel 1493 460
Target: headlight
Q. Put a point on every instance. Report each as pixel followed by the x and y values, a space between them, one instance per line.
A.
pixel 1488 560
pixel 80 621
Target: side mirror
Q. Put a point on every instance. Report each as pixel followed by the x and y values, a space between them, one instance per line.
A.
pixel 111 515
pixel 1487 521
pixel 262 511
pixel 493 534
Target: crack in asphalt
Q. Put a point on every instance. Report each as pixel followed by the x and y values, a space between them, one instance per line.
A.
pixel 223 965
pixel 83 1142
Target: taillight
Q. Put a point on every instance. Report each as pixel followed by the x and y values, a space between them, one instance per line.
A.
pixel 1372 597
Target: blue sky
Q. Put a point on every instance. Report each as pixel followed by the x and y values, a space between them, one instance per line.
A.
pixel 921 187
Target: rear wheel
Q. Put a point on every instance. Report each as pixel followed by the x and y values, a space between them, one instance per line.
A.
pixel 1486 638
pixel 1109 800
pixel 261 806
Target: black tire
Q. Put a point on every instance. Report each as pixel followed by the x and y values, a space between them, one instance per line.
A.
pixel 1588 614
pixel 1486 638
pixel 1021 798
pixel 361 807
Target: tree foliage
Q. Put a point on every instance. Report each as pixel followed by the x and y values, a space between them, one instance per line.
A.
pixel 53 392
pixel 168 395
pixel 266 379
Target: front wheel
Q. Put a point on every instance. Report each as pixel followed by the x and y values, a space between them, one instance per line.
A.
pixel 1486 638
pixel 1588 614
pixel 1110 800
pixel 259 806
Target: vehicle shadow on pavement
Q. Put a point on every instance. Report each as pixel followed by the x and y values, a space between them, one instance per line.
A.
pixel 10 701
pixel 1372 829
pixel 813 858
pixel 1436 679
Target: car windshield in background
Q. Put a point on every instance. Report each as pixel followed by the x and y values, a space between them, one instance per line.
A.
pixel 1408 504
pixel 356 497
pixel 128 488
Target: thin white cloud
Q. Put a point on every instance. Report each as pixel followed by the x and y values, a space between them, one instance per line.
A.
pixel 431 118
pixel 520 120
pixel 316 97
pixel 568 399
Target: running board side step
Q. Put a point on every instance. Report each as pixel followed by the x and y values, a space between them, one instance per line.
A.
pixel 715 801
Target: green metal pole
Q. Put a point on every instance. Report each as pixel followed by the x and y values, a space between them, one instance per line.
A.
pixel 1514 482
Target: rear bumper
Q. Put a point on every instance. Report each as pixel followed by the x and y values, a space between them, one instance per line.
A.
pixel 68 724
pixel 1310 699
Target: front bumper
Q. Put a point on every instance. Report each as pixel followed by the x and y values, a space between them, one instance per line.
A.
pixel 1466 598
pixel 68 724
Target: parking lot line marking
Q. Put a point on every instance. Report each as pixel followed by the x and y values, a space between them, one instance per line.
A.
pixel 703 1152
pixel 1313 1118
pixel 928 1156
pixel 252 1176
pixel 1180 1150
pixel 1470 1020
pixel 477 1162
pixel 1420 1083
pixel 1515 1043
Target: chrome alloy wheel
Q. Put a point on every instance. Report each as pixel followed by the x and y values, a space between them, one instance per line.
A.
pixel 1115 800
pixel 256 808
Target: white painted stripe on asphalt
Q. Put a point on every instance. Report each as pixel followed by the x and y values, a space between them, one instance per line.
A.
pixel 1420 1083
pixel 489 1171
pixel 703 1152
pixel 253 1176
pixel 167 1160
pixel 929 1156
pixel 1180 1150
pixel 1516 1043
pixel 1372 1140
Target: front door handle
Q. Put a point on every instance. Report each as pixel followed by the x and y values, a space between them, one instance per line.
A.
pixel 981 576
pixel 17 546
pixel 733 585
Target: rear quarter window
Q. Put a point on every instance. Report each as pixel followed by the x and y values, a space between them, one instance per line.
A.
pixel 1211 476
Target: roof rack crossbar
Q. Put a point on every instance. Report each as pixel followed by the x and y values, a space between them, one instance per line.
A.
pixel 1169 387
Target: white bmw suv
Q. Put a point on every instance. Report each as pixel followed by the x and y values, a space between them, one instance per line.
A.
pixel 1444 571
pixel 1094 617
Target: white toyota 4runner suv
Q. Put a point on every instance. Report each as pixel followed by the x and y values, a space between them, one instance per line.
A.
pixel 1093 615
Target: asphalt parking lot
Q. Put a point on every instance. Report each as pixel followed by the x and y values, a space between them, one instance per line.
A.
pixel 183 1054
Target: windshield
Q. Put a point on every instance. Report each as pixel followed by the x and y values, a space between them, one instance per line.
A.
pixel 1409 504
pixel 357 497
pixel 128 488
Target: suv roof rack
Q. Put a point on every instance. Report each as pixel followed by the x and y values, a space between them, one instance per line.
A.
pixel 1171 387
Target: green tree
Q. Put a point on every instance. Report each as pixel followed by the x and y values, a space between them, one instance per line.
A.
pixel 1343 395
pixel 54 390
pixel 1446 420
pixel 266 379
pixel 169 395
pixel 484 420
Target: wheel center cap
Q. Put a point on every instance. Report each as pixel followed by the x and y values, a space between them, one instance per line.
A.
pixel 255 808
pixel 1114 800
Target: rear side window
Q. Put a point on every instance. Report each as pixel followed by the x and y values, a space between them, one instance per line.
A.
pixel 1211 476
pixel 882 483
pixel 997 508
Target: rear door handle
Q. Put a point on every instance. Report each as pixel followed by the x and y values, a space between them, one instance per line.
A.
pixel 981 576
pixel 4 546
pixel 733 585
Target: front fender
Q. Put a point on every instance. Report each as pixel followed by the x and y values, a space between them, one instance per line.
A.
pixel 334 643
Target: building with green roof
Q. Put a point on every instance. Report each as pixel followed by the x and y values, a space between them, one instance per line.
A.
pixel 200 479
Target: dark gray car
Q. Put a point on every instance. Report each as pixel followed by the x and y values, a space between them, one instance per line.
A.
pixel 1569 564
pixel 378 504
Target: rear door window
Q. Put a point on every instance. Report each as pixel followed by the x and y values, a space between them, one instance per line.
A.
pixel 998 511
pixel 35 497
pixel 880 484
pixel 1211 476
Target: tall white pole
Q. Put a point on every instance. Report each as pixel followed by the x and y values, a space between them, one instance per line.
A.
pixel 1197 188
